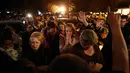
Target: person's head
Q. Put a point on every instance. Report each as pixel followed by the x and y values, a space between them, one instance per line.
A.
pixel 52 29
pixel 61 26
pixel 100 23
pixel 70 29
pixel 37 25
pixel 29 28
pixel 9 29
pixel 103 32
pixel 6 40
pixel 123 21
pixel 7 44
pixel 88 38
pixel 38 18
pixel 68 63
pixel 36 39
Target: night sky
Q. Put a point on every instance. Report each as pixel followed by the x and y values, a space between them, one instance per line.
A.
pixel 84 5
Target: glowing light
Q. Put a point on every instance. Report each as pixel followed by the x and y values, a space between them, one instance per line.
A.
pixel 39 13
pixel 118 11
pixel 58 9
pixel 91 12
pixel 97 13
pixel 100 47
pixel 60 15
pixel 61 9
pixel 105 15
pixel 125 11
pixel 29 15
pixel 94 13
pixel 8 12
pixel 24 22
pixel 55 8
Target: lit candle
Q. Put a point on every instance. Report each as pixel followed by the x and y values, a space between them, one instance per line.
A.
pixel 100 47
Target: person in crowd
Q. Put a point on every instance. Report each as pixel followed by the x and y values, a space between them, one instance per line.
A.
pixel 8 46
pixel 123 21
pixel 70 38
pixel 51 33
pixel 106 50
pixel 99 23
pixel 9 56
pixel 105 47
pixel 125 27
pixel 17 40
pixel 25 37
pixel 37 26
pixel 88 50
pixel 61 34
pixel 120 60
pixel 68 63
pixel 61 28
pixel 103 33
pixel 35 57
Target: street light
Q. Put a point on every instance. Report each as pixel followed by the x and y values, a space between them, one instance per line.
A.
pixel 68 7
pixel 29 15
pixel 62 9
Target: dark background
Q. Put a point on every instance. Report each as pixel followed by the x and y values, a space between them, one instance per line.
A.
pixel 85 5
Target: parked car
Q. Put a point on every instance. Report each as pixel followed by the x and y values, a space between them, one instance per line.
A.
pixel 17 25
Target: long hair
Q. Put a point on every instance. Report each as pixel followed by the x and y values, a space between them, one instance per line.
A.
pixel 72 26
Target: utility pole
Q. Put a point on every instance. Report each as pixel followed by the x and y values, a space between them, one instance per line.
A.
pixel 129 9
pixel 68 8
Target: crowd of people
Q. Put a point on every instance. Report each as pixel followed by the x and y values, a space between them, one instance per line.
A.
pixel 49 45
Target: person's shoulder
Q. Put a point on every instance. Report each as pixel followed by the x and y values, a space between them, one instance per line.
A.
pixel 77 48
pixel 77 45
pixel 127 25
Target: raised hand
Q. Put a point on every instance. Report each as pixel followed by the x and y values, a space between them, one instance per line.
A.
pixel 82 16
pixel 120 59
pixel 114 20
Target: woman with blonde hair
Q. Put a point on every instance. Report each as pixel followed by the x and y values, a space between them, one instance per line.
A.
pixel 35 57
pixel 70 38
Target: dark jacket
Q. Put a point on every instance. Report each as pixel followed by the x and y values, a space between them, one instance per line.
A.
pixel 38 58
pixel 8 65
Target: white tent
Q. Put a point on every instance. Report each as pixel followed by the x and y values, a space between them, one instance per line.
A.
pixel 123 11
